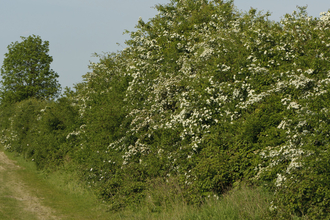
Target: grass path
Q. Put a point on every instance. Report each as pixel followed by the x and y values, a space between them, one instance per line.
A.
pixel 16 199
pixel 25 194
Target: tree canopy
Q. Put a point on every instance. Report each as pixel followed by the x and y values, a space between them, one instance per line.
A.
pixel 26 71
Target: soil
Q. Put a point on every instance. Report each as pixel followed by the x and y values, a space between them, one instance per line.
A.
pixel 12 186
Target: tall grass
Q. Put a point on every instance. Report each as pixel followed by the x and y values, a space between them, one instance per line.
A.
pixel 243 202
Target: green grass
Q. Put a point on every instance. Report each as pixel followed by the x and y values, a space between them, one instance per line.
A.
pixel 62 192
pixel 240 203
pixel 11 208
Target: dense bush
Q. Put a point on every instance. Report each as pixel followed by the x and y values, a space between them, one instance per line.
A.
pixel 203 97
pixel 38 130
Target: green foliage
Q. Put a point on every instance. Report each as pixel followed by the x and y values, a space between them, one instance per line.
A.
pixel 19 124
pixel 26 71
pixel 203 95
pixel 307 192
pixel 38 130
pixel 55 121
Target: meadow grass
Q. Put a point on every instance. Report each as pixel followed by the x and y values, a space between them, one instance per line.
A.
pixel 243 202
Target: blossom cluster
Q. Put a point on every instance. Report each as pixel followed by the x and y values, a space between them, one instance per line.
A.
pixel 188 74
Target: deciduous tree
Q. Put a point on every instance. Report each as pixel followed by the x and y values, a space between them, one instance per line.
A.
pixel 26 71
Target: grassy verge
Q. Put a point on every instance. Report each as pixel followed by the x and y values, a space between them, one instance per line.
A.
pixel 240 203
pixel 61 191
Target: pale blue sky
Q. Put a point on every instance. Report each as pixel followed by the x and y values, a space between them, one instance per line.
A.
pixel 76 29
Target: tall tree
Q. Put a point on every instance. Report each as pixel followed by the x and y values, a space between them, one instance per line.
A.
pixel 26 71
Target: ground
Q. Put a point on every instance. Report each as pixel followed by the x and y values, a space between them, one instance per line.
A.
pixel 17 199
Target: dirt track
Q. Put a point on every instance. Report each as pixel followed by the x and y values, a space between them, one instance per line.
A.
pixel 13 187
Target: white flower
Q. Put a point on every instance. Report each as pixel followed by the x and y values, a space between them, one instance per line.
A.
pixel 293 105
pixel 310 71
pixel 280 178
pixel 281 125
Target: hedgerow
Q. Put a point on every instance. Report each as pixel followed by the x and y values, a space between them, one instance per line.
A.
pixel 202 97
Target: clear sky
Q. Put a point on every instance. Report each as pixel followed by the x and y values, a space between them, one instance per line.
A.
pixel 76 29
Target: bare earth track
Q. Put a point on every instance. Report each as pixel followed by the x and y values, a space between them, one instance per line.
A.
pixel 13 189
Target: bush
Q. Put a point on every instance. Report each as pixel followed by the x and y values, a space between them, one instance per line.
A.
pixel 204 95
